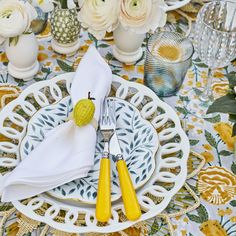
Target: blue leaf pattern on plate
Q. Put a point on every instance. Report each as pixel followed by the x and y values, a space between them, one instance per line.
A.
pixel 138 141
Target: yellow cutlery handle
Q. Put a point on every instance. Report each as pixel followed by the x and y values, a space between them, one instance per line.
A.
pixel 132 208
pixel 103 205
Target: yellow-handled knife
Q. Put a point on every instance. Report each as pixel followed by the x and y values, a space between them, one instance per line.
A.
pixel 132 207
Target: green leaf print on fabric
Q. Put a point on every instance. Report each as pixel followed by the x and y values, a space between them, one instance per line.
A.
pixel 65 67
pixel 233 168
pixel 201 216
pixel 214 119
pixel 233 203
pixel 210 139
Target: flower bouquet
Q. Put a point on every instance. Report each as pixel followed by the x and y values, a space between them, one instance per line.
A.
pixel 15 20
pixel 129 20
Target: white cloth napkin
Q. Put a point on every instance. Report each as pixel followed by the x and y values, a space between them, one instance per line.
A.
pixel 68 152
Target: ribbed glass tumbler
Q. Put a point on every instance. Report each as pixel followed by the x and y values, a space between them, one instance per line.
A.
pixel 168 57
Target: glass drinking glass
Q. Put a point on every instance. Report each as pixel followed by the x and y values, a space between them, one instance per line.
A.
pixel 215 40
pixel 167 61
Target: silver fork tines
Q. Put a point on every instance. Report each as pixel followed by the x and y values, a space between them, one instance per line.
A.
pixel 107 124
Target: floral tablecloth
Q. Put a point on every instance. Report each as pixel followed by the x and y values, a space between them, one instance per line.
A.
pixel 215 184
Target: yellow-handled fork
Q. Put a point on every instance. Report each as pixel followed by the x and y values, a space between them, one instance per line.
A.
pixel 107 128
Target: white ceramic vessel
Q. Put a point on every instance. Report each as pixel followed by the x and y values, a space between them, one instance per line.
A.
pixel 23 63
pixel 127 48
pixel 67 49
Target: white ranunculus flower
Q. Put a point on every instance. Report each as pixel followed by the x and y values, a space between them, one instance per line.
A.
pixel 15 18
pixel 44 5
pixel 142 16
pixel 99 16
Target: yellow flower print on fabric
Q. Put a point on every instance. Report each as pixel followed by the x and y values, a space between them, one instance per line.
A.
pixel 218 75
pixel 140 69
pixel 3 57
pixel 233 219
pixel 220 89
pixel 208 156
pixel 42 56
pixel 126 77
pixel 225 132
pixel 234 63
pixel 207 147
pixel 128 67
pixel 83 49
pixel 190 74
pixel 212 228
pixel 89 41
pixel 41 48
pixel 12 229
pixel 222 212
pixel 216 185
pixel 203 74
pixel 198 84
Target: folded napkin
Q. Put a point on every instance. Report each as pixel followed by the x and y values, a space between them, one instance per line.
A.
pixel 67 153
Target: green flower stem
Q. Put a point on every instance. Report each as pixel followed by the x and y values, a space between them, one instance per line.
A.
pixel 47 74
pixel 234 231
pixel 4 80
pixel 194 179
pixel 226 222
pixel 96 44
pixel 230 227
pixel 185 105
pixel 226 70
pixel 221 220
pixel 218 153
pixel 63 4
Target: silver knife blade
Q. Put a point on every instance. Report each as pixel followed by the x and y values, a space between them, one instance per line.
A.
pixel 114 145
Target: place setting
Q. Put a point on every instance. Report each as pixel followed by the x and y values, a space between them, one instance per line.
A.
pixel 91 150
pixel 136 138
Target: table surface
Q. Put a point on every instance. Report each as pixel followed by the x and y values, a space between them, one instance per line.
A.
pixel 209 137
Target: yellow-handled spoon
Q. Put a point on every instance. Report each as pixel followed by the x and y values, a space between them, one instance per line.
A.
pixel 132 207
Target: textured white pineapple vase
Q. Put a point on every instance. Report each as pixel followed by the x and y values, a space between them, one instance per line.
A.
pixel 128 45
pixel 23 63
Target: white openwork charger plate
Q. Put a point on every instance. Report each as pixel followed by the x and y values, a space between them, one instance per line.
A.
pixel 171 158
pixel 137 137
